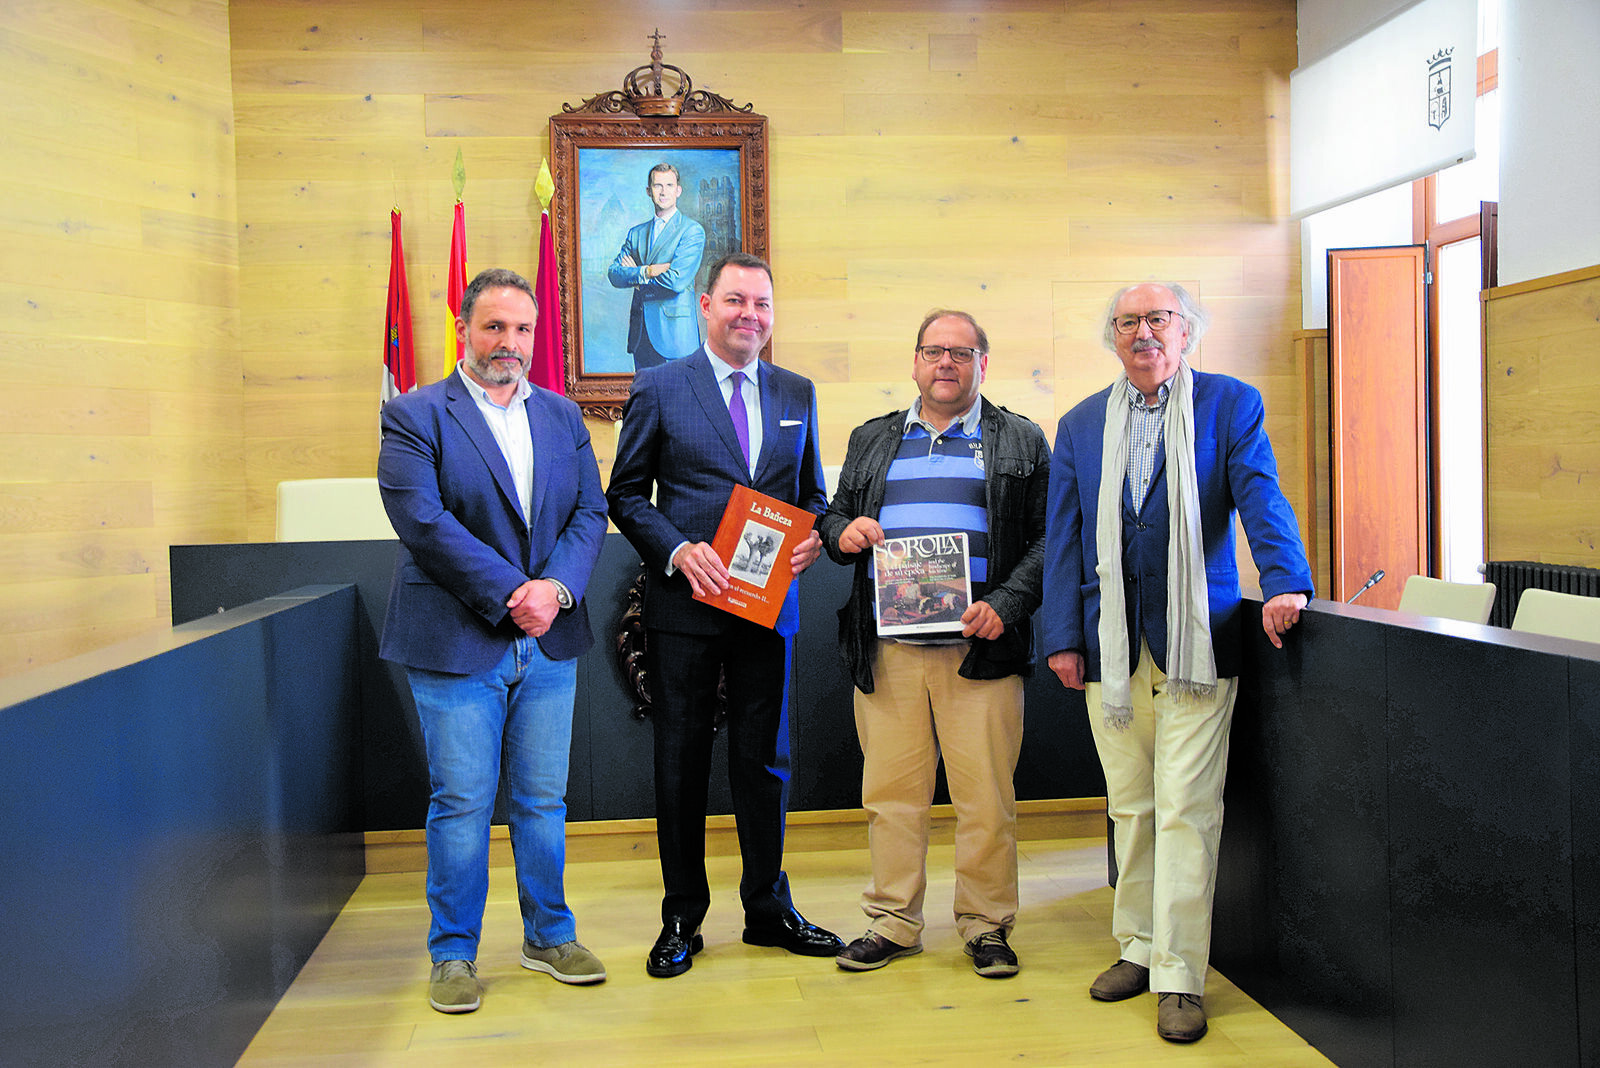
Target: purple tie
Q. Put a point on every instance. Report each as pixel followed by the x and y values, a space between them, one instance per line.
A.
pixel 741 418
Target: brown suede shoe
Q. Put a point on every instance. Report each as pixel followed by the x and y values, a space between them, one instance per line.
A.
pixel 1180 1017
pixel 1123 979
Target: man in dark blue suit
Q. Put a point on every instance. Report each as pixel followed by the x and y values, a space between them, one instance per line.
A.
pixel 492 486
pixel 693 428
pixel 1142 611
pixel 659 260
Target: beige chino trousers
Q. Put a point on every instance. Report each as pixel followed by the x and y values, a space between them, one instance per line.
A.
pixel 921 708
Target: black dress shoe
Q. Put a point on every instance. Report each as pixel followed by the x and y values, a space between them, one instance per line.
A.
pixel 793 932
pixel 674 948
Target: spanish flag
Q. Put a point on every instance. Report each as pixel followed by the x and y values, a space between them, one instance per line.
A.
pixel 455 286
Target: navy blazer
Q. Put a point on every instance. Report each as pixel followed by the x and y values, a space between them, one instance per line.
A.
pixel 1236 471
pixel 678 441
pixel 464 546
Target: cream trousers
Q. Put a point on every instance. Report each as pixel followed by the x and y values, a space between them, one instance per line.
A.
pixel 1164 777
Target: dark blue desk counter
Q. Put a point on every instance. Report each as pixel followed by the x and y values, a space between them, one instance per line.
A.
pixel 180 830
pixel 1411 855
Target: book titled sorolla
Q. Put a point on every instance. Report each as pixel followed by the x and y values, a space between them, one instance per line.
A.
pixel 923 585
pixel 756 538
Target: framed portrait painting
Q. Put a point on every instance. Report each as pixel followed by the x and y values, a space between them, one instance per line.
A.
pixel 643 207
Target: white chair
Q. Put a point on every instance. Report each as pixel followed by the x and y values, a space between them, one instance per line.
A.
pixel 1470 602
pixel 1561 615
pixel 332 509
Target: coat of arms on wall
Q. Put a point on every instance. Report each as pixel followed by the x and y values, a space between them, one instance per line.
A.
pixel 1439 88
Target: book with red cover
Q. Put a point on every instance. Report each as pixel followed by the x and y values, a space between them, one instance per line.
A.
pixel 755 539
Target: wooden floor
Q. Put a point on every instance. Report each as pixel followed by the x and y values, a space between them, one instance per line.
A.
pixel 362 998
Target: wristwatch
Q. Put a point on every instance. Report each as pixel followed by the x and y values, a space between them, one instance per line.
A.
pixel 563 595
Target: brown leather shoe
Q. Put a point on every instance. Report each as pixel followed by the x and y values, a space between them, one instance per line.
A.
pixel 1122 980
pixel 870 951
pixel 1180 1017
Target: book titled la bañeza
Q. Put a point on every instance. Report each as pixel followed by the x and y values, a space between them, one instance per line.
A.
pixel 755 539
pixel 923 585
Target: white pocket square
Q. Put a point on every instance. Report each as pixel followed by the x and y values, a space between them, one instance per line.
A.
pixel 788 422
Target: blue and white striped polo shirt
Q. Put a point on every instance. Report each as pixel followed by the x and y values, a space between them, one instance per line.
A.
pixel 935 485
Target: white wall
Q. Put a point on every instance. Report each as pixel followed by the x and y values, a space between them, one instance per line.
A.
pixel 1549 130
pixel 1382 218
pixel 1549 138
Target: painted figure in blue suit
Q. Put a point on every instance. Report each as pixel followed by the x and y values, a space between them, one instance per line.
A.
pixel 1142 611
pixel 492 487
pixel 658 261
pixel 680 440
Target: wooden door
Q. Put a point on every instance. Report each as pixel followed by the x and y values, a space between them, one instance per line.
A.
pixel 1378 430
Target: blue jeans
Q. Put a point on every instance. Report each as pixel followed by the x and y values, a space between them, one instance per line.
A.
pixel 516 715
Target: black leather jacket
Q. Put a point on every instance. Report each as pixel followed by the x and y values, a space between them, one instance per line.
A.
pixel 1017 470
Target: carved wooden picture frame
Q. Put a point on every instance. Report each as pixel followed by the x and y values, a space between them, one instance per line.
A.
pixel 603 154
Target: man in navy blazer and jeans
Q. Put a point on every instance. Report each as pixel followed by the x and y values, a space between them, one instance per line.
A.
pixel 693 428
pixel 492 486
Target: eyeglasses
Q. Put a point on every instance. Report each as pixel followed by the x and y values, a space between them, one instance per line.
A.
pixel 1158 320
pixel 935 353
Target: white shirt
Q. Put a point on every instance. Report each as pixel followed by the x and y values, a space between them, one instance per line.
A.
pixel 656 227
pixel 752 406
pixel 511 431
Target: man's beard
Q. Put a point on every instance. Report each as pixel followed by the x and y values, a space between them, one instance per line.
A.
pixel 486 368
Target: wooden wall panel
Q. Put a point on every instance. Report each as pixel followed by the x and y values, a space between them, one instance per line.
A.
pixel 1005 158
pixel 120 386
pixel 1311 351
pixel 201 190
pixel 1542 398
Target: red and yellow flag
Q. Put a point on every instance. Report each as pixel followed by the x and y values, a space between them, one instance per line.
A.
pixel 455 286
pixel 399 349
pixel 548 368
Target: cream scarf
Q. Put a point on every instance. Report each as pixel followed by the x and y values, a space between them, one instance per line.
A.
pixel 1191 667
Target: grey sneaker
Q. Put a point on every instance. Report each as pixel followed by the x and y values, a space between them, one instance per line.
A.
pixel 453 986
pixel 569 962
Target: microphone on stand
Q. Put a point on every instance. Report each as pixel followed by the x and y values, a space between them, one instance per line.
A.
pixel 1377 577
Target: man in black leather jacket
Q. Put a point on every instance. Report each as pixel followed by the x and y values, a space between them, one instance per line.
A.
pixel 952 463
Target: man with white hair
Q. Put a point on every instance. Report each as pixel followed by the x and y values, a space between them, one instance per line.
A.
pixel 1142 612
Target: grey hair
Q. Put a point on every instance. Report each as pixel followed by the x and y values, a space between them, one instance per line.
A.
pixel 1197 318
